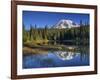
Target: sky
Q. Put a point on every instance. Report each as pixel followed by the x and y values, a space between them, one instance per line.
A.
pixel 51 18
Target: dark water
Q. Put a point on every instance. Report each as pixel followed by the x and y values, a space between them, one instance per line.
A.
pixel 57 59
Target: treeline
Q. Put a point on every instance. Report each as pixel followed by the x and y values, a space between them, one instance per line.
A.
pixel 77 34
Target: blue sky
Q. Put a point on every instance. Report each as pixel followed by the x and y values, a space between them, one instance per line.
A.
pixel 50 18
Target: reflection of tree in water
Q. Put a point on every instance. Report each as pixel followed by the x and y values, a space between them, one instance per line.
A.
pixel 84 52
pixel 66 55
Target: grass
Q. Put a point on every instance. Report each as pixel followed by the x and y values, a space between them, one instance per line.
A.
pixel 40 48
pixel 28 50
pixel 38 42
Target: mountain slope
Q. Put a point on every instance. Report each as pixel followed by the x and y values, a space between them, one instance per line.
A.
pixel 65 24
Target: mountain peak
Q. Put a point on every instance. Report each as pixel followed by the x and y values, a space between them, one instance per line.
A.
pixel 66 23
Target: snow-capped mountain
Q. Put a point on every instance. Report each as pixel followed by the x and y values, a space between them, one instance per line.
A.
pixel 66 24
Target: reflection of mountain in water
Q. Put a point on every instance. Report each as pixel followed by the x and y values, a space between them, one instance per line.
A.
pixel 66 55
pixel 57 59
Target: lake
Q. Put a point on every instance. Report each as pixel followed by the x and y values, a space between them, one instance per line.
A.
pixel 57 58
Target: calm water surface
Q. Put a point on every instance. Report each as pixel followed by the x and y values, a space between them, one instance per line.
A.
pixel 56 59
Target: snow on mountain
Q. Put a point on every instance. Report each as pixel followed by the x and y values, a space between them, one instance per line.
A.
pixel 66 24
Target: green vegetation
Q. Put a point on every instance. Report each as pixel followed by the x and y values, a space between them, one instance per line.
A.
pixel 36 40
pixel 42 36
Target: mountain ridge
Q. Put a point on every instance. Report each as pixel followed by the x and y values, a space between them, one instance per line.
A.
pixel 65 23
